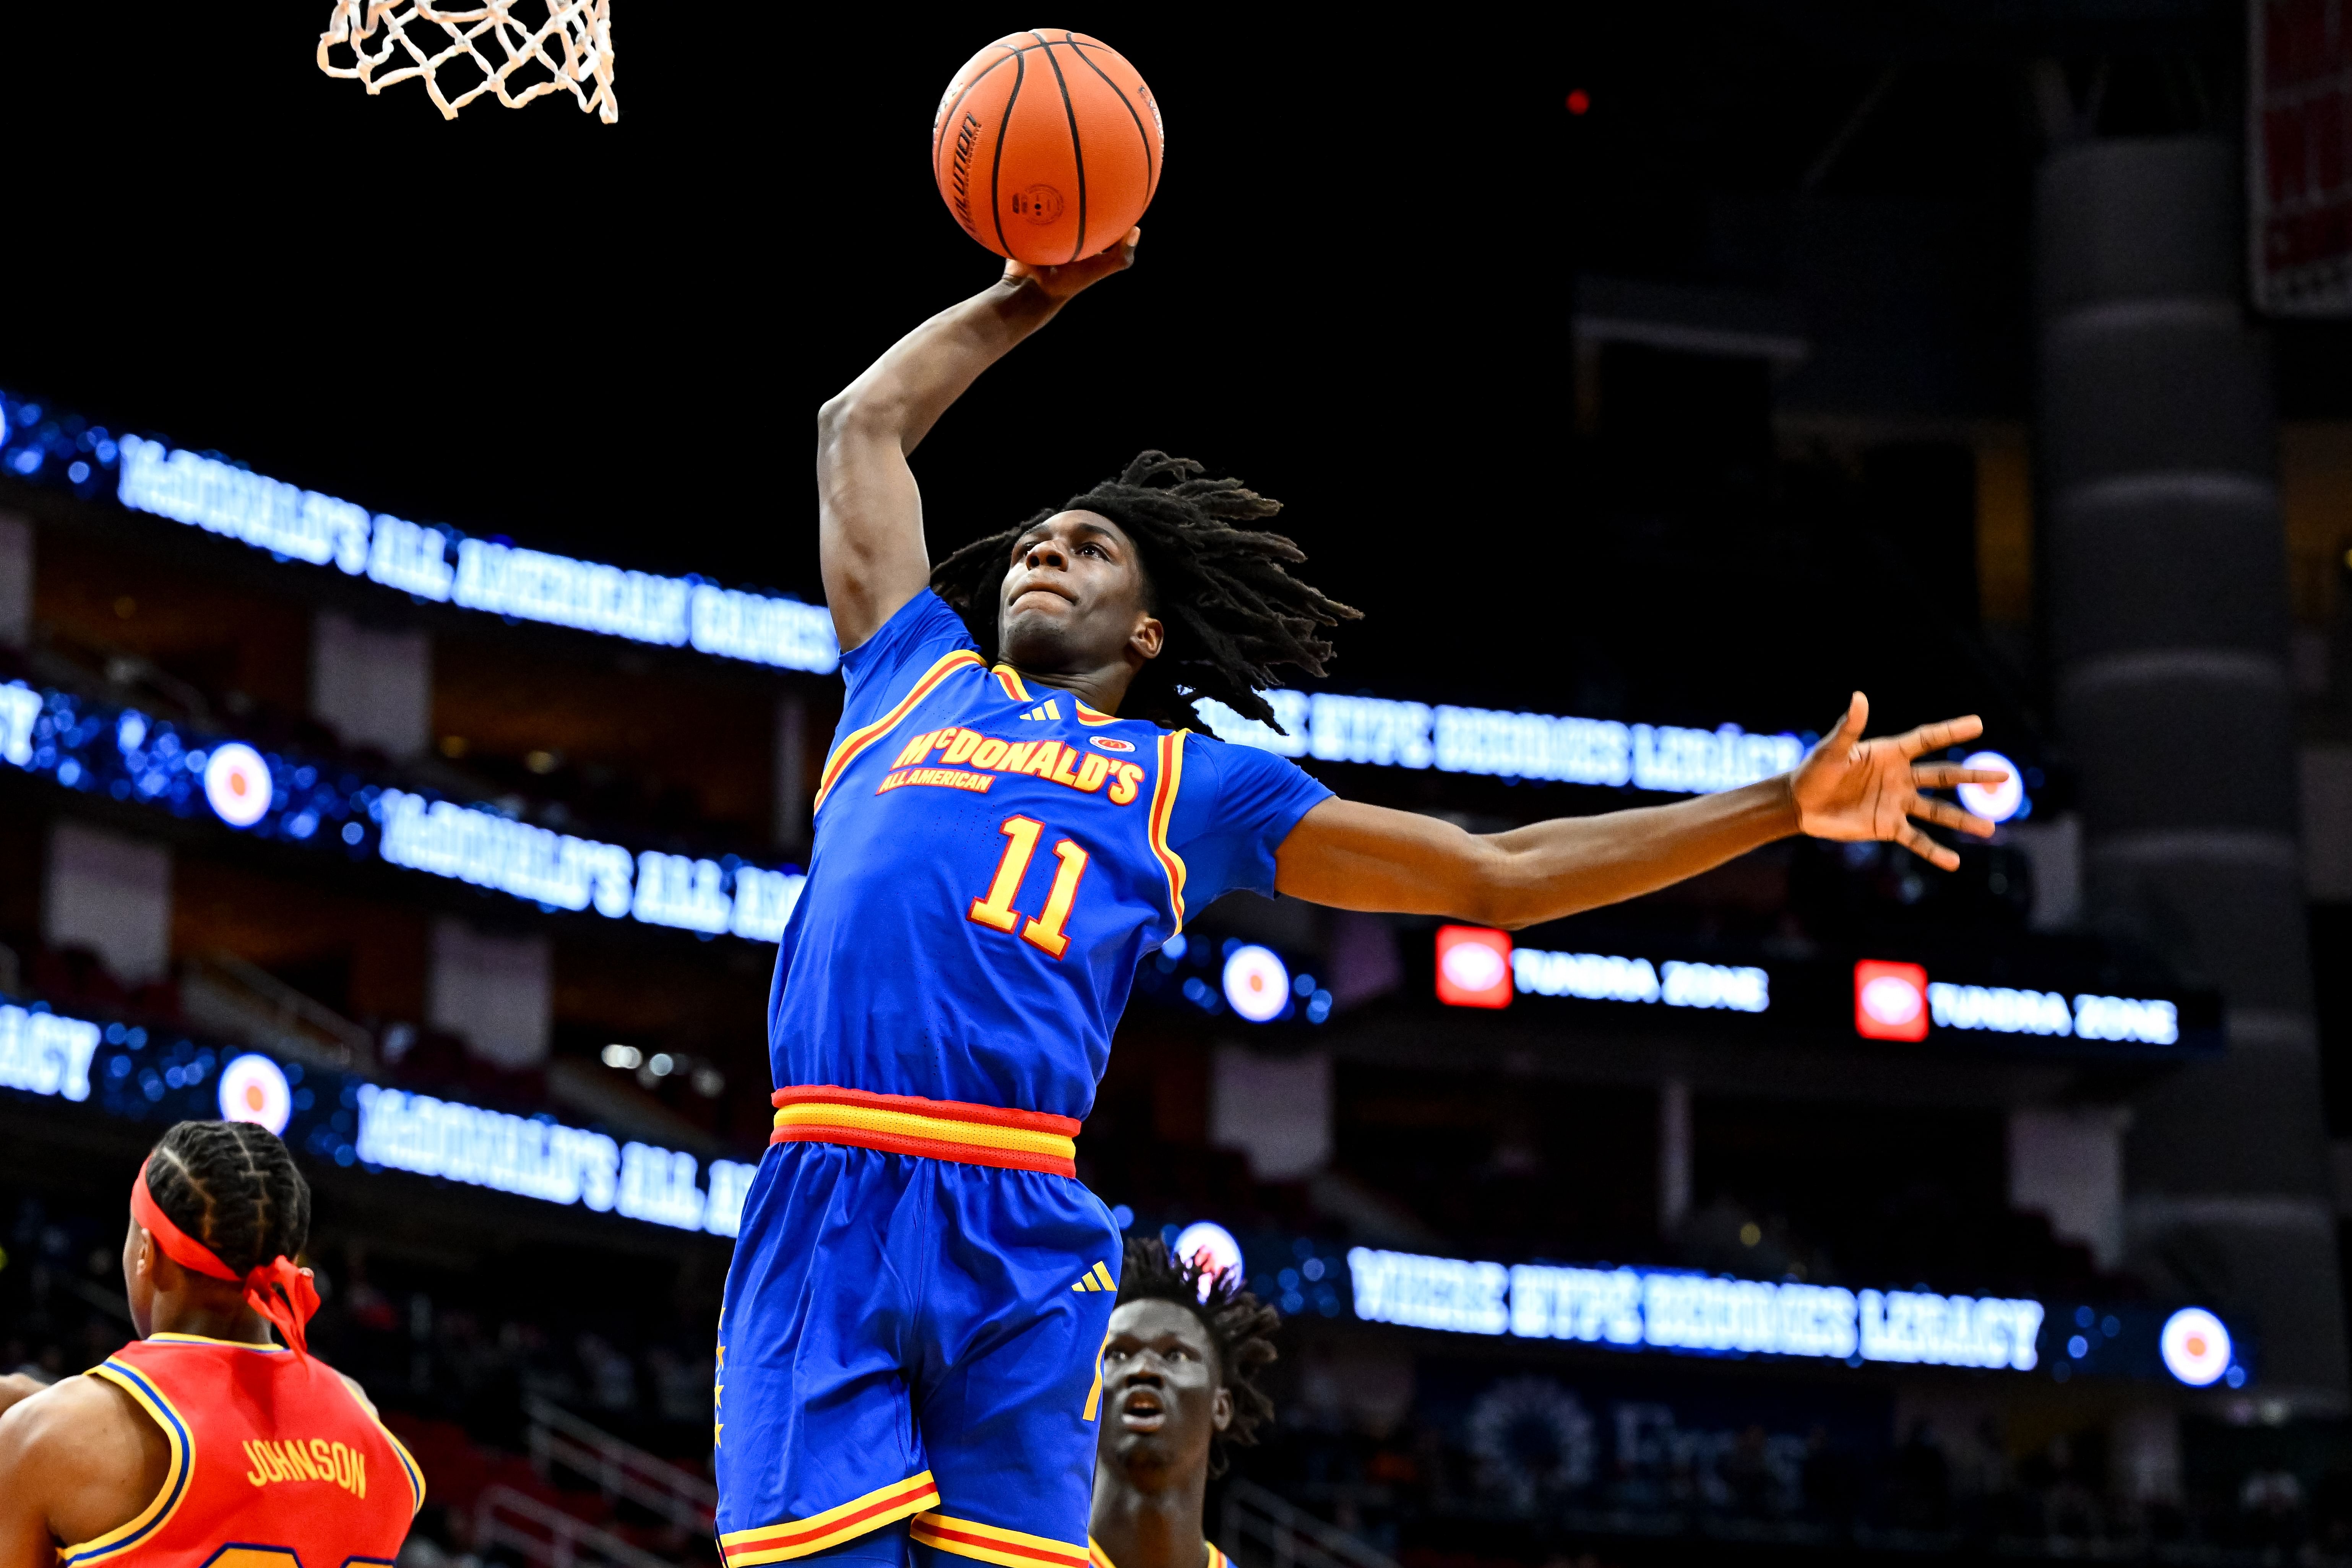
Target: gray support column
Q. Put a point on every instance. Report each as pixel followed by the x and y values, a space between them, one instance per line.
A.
pixel 1674 1155
pixel 16 580
pixel 792 795
pixel 374 687
pixel 2167 610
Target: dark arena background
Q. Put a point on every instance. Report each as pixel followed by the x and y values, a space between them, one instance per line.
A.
pixel 1651 376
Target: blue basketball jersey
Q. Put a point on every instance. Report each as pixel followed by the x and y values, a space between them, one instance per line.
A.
pixel 992 859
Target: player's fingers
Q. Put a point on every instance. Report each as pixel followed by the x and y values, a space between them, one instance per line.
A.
pixel 1935 737
pixel 1944 814
pixel 1944 775
pixel 1849 730
pixel 1926 849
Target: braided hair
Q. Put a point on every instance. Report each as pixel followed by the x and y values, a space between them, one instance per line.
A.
pixel 233 1187
pixel 1240 1325
pixel 1232 609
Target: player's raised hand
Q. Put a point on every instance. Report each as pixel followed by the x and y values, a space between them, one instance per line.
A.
pixel 1059 283
pixel 1849 788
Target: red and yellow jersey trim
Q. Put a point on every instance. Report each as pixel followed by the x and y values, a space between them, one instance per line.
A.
pixel 1088 716
pixel 856 742
pixel 1163 808
pixel 1010 679
pixel 158 1512
pixel 934 1129
pixel 800 1537
pixel 992 1543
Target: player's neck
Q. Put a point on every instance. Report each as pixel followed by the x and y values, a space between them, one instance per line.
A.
pixel 1100 690
pixel 1159 1529
pixel 239 1324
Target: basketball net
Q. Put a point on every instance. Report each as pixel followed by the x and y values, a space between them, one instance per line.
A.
pixel 571 51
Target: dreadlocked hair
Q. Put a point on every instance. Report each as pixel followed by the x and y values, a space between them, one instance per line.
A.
pixel 233 1187
pixel 1240 1325
pixel 1232 609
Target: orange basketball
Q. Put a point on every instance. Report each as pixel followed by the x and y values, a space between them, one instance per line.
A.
pixel 1046 146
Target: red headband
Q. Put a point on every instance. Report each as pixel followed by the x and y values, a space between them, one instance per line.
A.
pixel 277 1290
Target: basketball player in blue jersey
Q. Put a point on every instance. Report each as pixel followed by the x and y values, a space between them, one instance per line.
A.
pixel 1017 807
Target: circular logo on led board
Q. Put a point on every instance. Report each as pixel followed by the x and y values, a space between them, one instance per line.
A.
pixel 1257 983
pixel 2196 1346
pixel 1994 802
pixel 252 1089
pixel 237 783
pixel 1213 1247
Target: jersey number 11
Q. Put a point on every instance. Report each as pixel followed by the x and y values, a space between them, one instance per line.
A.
pixel 996 912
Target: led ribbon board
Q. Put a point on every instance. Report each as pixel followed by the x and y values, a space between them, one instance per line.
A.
pixel 432 563
pixel 536 1158
pixel 2007 1011
pixel 1694 1314
pixel 128 1072
pixel 1380 732
pixel 44 1053
pixel 1603 977
pixel 121 754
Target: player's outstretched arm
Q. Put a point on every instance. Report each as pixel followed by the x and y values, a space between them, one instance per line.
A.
pixel 1357 856
pixel 869 514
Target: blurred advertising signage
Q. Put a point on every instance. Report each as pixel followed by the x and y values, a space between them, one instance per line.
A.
pixel 46 1053
pixel 535 1158
pixel 1380 732
pixel 125 756
pixel 2299 139
pixel 1695 1314
pixel 1479 967
pixel 1898 1001
pixel 469 844
pixel 430 563
pixel 160 1078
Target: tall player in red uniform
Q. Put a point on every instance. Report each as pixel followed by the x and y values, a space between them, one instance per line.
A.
pixel 204 1442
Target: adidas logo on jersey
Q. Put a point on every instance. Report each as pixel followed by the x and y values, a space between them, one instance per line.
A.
pixel 1049 708
pixel 1096 1278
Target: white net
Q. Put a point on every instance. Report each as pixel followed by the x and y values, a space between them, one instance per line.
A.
pixel 463 51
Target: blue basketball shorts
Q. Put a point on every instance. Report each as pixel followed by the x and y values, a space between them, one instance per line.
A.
pixel 911 1338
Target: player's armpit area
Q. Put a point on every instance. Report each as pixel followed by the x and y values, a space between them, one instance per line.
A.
pixel 77 1461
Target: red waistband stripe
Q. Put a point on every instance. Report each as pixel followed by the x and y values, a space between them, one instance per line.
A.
pixel 933 1129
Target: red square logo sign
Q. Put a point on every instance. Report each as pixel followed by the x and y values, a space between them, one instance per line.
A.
pixel 1890 1000
pixel 1473 967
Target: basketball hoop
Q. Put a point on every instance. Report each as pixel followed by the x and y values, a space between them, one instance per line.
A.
pixel 570 50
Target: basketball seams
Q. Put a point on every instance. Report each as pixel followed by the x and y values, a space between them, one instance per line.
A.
pixel 1078 142
pixel 947 110
pixel 947 116
pixel 1150 163
pixel 996 157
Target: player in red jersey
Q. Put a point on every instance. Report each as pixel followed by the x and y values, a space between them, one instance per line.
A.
pixel 202 1442
pixel 1180 1386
